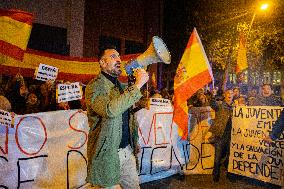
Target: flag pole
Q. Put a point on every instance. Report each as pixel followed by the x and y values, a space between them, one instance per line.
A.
pixel 228 64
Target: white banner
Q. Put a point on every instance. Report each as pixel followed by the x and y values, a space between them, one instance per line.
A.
pixel 201 152
pixel 69 92
pixel 249 154
pixel 45 72
pixel 44 150
pixel 162 152
pixel 48 150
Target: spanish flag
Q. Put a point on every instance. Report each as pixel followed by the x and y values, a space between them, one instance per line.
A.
pixel 15 29
pixel 193 73
pixel 242 63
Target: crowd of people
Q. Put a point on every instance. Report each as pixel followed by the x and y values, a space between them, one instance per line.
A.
pixel 26 95
pixel 113 133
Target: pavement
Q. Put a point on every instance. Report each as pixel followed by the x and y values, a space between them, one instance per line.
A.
pixel 205 182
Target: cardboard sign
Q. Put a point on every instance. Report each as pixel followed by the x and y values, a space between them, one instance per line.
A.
pixel 45 72
pixel 69 92
pixel 250 155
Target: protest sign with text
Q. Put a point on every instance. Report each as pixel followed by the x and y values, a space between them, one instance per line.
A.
pixel 44 150
pixel 201 160
pixel 45 72
pixel 162 152
pixel 69 92
pixel 250 155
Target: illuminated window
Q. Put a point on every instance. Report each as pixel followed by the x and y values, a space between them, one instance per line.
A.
pixel 255 78
pixel 276 78
pixel 245 80
pixel 266 78
pixel 232 78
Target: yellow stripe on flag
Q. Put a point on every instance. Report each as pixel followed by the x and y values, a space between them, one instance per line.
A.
pixel 193 73
pixel 242 63
pixel 15 32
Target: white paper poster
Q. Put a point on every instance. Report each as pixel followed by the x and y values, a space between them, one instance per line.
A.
pixel 69 92
pixel 162 153
pixel 45 72
pixel 44 150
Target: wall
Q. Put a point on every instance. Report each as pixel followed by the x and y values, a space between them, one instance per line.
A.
pixel 67 14
pixel 136 20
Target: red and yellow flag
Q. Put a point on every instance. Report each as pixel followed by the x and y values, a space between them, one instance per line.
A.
pixel 15 29
pixel 193 73
pixel 242 63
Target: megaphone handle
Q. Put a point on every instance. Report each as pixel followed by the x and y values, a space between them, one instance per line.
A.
pixel 147 88
pixel 132 64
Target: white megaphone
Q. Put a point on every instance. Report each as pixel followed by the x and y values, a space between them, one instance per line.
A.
pixel 156 52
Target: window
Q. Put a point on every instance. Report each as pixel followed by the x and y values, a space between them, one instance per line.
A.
pixel 245 74
pixel 49 39
pixel 276 80
pixel 266 78
pixel 133 47
pixel 232 78
pixel 255 78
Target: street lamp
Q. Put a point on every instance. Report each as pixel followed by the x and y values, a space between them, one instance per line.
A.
pixel 262 7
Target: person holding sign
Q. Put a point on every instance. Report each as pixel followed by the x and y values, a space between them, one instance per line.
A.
pixel 278 126
pixel 221 131
pixel 112 134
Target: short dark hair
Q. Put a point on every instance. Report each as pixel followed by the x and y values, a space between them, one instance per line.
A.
pixel 103 48
pixel 267 84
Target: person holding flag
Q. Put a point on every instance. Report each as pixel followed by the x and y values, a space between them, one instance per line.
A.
pixel 193 73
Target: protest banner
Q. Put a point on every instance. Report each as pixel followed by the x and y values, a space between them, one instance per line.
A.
pixel 250 155
pixel 48 150
pixel 162 153
pixel 69 92
pixel 201 159
pixel 45 72
pixel 44 150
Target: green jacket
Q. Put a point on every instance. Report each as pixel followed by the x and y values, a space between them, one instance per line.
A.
pixel 223 116
pixel 105 106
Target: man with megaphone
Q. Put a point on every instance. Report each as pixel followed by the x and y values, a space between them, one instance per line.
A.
pixel 113 134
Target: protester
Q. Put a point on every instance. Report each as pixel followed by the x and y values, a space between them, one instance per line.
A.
pixel 241 101
pixel 47 96
pixel 165 94
pixel 112 137
pixel 5 104
pixel 236 93
pixel 221 131
pixel 32 104
pixel 278 126
pixel 267 98
pixel 17 95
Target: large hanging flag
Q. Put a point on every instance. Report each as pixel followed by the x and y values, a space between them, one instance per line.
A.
pixel 193 73
pixel 242 63
pixel 15 29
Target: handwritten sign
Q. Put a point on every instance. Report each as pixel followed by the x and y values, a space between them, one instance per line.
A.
pixel 44 150
pixel 5 118
pixel 160 102
pixel 162 152
pixel 201 160
pixel 45 72
pixel 69 92
pixel 250 155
